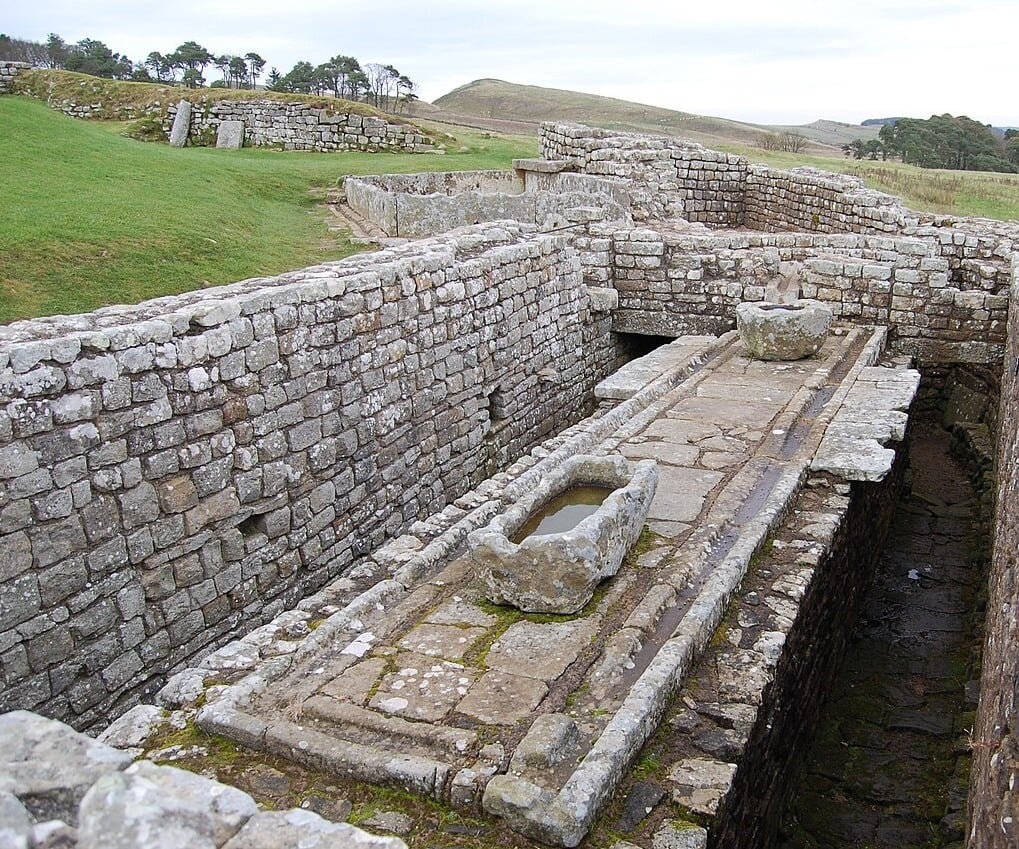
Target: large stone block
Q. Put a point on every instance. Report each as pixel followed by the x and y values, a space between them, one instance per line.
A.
pixel 50 766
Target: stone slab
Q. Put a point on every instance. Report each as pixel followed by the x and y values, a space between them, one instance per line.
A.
pixel 446 641
pixel 181 125
pixel 628 380
pixel 539 650
pixel 230 135
pixel 422 688
pixel 500 698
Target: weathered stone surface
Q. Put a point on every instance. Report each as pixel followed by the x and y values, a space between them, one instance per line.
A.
pixel 181 125
pixel 134 727
pixel 230 135
pixel 701 783
pixel 15 823
pixel 160 806
pixel 49 766
pixel 297 829
pixel 783 331
pixel 558 573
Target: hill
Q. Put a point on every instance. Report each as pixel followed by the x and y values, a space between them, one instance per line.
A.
pixel 490 102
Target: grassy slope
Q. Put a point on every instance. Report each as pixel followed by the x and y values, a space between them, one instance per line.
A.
pixel 91 218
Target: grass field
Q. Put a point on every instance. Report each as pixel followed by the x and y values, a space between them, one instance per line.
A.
pixel 92 218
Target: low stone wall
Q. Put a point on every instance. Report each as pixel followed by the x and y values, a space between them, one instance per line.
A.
pixel 300 126
pixel 993 811
pixel 8 72
pixel 178 472
pixel 674 283
pixel 418 205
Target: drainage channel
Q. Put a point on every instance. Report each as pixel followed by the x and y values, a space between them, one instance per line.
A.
pixel 889 761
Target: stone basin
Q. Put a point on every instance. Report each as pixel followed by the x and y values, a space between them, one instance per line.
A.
pixel 558 573
pixel 783 331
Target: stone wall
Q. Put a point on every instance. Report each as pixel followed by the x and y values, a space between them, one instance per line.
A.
pixel 678 178
pixel 8 71
pixel 943 292
pixel 818 201
pixel 417 205
pixel 300 126
pixel 994 794
pixel 177 472
pixel 667 177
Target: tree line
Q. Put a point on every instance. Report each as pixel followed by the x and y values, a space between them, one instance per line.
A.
pixel 383 86
pixel 941 141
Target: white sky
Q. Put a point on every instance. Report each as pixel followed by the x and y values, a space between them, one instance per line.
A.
pixel 768 61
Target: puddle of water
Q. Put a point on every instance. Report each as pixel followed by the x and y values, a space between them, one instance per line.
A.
pixel 564 512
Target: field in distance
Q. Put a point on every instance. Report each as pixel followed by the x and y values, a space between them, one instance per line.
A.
pixel 92 218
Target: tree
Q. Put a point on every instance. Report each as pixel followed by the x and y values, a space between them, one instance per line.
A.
pixel 90 56
pixel 274 80
pixel 222 64
pixel 57 52
pixel 255 65
pixel 238 70
pixel 159 66
pixel 301 78
pixel 193 59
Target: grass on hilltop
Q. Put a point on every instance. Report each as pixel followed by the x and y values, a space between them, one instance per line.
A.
pixel 92 218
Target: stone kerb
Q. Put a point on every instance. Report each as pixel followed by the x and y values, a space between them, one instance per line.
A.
pixel 182 469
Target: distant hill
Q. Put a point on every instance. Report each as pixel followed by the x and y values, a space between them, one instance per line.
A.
pixel 880 122
pixel 497 104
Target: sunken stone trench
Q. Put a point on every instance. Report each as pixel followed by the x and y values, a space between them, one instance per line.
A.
pixel 889 764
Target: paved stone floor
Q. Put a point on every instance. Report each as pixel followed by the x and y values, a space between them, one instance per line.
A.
pixel 894 731
pixel 441 691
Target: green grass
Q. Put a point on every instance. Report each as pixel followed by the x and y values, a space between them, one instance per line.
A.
pixel 980 193
pixel 92 218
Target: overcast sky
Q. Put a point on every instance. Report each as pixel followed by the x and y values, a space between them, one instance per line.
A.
pixel 768 61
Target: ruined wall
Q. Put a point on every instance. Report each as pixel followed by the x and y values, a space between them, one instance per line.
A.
pixel 417 205
pixel 993 809
pixel 938 304
pixel 669 178
pixel 8 71
pixel 177 472
pixel 677 178
pixel 300 126
pixel 818 201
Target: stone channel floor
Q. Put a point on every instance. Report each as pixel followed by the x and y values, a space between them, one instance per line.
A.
pixel 436 690
pixel 893 736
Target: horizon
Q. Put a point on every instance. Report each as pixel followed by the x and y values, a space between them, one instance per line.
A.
pixel 792 63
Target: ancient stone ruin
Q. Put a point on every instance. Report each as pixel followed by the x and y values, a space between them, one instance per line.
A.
pixel 252 506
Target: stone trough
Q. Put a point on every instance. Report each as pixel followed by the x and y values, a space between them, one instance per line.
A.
pixel 783 331
pixel 559 572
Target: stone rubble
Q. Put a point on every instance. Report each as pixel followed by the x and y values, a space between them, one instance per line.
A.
pixel 60 788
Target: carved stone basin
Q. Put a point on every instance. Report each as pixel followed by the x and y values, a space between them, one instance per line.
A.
pixel 558 572
pixel 783 331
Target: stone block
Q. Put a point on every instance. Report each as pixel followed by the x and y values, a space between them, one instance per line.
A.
pixel 230 135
